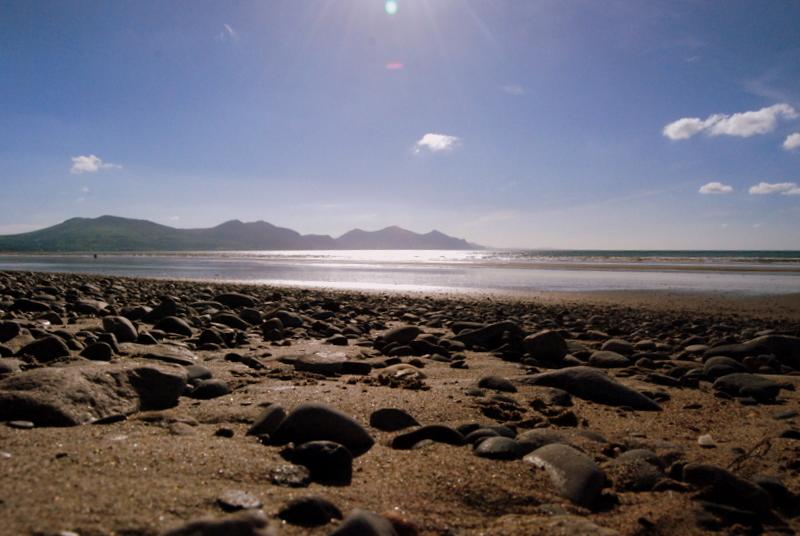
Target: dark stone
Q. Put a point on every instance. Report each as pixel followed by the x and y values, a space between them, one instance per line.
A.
pixel 497 383
pixel 500 448
pixel 391 419
pixel 364 523
pixel 249 523
pixel 433 432
pixel 99 351
pixel 174 325
pixel 608 359
pixel 319 363
pixel 29 306
pixel 546 346
pixel 208 389
pixel 743 384
pixel 488 336
pixel 309 511
pixel 720 485
pixel 401 335
pixel 327 461
pixel 269 420
pixel 230 320
pixel 618 346
pixel 196 373
pixel 313 421
pixel 594 385
pixel 359 368
pixel 48 348
pixel 235 300
pixel 574 475
pixel 121 327
pixel 9 330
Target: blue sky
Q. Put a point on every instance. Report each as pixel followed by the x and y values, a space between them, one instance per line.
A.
pixel 578 124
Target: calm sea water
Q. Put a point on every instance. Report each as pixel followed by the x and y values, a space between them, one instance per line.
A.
pixel 741 272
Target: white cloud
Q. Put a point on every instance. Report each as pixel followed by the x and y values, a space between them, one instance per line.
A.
pixel 85 189
pixel 715 188
pixel 228 34
pixel 174 218
pixel 514 89
pixel 436 143
pixel 792 142
pixel 90 164
pixel 743 124
pixel 783 188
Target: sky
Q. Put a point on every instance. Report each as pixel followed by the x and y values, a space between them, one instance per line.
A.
pixel 542 124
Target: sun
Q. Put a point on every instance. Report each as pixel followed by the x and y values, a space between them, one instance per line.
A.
pixel 391 7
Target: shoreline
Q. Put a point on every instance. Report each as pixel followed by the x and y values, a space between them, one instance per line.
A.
pixel 230 353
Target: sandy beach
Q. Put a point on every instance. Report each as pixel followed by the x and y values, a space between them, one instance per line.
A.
pixel 139 407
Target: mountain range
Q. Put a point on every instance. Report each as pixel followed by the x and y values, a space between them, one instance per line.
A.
pixel 113 233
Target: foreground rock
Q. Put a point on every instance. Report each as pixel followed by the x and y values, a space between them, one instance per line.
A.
pixel 595 386
pixel 244 524
pixel 573 474
pixel 73 395
pixel 312 422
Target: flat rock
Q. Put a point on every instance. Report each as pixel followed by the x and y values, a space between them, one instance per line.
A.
pixel 234 500
pixel 720 485
pixel 313 421
pixel 438 433
pixel 497 383
pixel 167 353
pixel 608 359
pixel 574 475
pixel 743 384
pixel 327 364
pixel 235 300
pixel 208 389
pixel 72 395
pixel 45 349
pixel 593 385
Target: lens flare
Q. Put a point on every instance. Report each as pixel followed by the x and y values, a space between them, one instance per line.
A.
pixel 391 7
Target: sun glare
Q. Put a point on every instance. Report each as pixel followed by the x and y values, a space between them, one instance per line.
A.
pixel 391 7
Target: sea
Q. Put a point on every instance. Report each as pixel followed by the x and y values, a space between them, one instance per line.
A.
pixel 440 271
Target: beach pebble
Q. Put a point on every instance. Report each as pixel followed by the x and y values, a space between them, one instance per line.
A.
pixel 230 320
pixel 208 389
pixel 720 485
pixel 499 448
pixel 618 346
pixel 47 348
pixel 391 419
pixel 290 475
pixel 608 359
pixel 268 421
pixel 234 500
pixel 497 383
pixel 546 346
pixel 401 335
pixel 574 475
pixel 174 325
pixel 594 385
pixel 8 330
pixel 121 328
pixel 748 385
pixel 99 351
pixel 313 421
pixel 706 441
pixel 235 300
pixel 327 462
pixel 438 433
pixel 249 523
pixel 364 523
pixel 327 364
pixel 309 511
